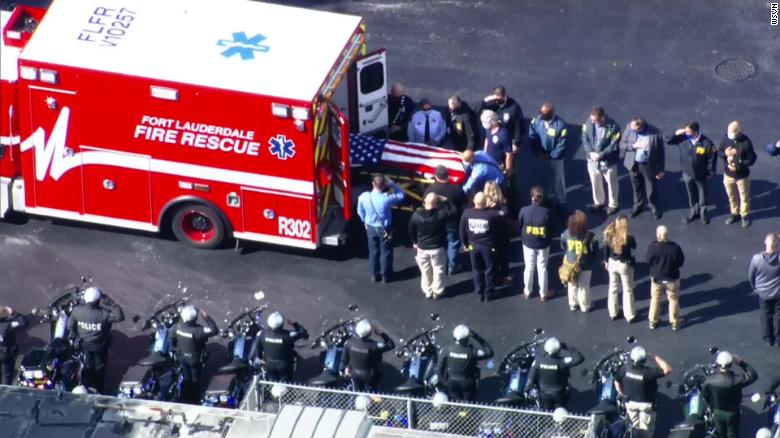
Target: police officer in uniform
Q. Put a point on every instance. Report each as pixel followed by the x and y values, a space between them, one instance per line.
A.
pixel 638 382
pixel 550 373
pixel 362 359
pixel 90 327
pixel 10 321
pixel 279 347
pixel 457 367
pixel 188 339
pixel 723 392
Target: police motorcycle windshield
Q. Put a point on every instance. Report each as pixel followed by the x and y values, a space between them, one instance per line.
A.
pixel 332 341
pixel 514 371
pixel 58 364
pixel 420 354
pixel 241 332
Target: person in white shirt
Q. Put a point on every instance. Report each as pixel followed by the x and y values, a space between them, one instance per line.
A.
pixel 427 125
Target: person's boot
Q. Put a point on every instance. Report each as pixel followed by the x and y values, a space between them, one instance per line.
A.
pixel 731 219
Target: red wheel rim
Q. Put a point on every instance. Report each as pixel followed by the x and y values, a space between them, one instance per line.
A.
pixel 197 226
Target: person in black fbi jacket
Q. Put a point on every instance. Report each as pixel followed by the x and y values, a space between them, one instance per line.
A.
pixel 698 156
pixel 479 227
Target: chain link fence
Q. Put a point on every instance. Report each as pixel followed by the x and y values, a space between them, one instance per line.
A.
pixel 394 411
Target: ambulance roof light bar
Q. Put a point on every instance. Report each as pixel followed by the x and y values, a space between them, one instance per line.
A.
pixel 164 93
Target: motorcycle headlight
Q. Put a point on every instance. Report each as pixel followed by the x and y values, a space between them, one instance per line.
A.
pixel 37 374
pixel 223 398
pixel 323 344
pixel 29 375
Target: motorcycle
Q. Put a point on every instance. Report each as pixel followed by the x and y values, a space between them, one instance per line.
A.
pixel 609 418
pixel 59 364
pixel 332 341
pixel 771 405
pixel 514 370
pixel 420 354
pixel 698 415
pixel 231 382
pixel 156 376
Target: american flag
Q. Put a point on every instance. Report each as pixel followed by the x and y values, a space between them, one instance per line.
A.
pixel 366 150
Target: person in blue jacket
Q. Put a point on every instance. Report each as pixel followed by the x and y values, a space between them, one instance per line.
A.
pixel 548 137
pixel 480 168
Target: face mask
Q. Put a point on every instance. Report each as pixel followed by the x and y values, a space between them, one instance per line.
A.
pixel 731 135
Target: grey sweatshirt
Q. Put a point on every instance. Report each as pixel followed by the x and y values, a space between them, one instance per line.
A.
pixel 764 275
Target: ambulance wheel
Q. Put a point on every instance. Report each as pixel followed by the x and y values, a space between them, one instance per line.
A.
pixel 198 225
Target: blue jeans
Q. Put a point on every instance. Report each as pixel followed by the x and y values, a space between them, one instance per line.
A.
pixel 453 249
pixel 380 252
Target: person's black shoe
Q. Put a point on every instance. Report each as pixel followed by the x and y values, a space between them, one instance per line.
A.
pixel 596 208
pixel 731 219
pixel 614 317
pixel 656 213
pixel 745 222
pixel 704 219
pixel 482 299
pixel 612 210
pixel 636 211
pixel 386 279
pixel 769 343
pixel 691 217
pixel 376 278
pixel 652 325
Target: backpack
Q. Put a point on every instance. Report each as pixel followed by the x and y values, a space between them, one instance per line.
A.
pixel 569 272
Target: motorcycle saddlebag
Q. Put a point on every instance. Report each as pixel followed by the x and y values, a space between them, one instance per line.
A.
pixel 690 428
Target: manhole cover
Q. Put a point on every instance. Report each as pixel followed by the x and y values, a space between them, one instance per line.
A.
pixel 735 69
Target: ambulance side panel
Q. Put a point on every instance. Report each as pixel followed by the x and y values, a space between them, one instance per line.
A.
pixel 137 148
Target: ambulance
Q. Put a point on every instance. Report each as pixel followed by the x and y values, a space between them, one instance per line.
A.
pixel 205 119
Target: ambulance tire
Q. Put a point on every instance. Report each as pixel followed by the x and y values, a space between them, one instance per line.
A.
pixel 198 225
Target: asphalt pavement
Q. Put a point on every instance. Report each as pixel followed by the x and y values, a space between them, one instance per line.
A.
pixel 656 59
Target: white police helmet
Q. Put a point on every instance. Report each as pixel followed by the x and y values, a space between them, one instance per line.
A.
pixel 92 294
pixel 763 433
pixel 275 320
pixel 461 332
pixel 724 359
pixel 552 345
pixel 439 399
pixel 80 390
pixel 188 313
pixel 638 354
pixel 363 328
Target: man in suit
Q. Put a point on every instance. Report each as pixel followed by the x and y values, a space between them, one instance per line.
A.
pixel 600 139
pixel 643 149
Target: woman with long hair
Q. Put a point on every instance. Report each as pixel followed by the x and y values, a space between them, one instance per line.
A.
pixel 619 262
pixel 581 247
pixel 495 200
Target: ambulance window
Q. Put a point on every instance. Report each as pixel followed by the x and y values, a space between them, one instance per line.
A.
pixel 372 78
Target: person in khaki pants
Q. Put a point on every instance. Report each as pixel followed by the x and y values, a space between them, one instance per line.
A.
pixel 665 259
pixel 580 243
pixel 738 155
pixel 637 381
pixel 619 263
pixel 428 229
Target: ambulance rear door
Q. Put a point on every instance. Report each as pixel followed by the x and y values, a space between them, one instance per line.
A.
pixel 371 92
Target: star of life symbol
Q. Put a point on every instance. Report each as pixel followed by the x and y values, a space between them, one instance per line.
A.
pixel 281 147
pixel 243 46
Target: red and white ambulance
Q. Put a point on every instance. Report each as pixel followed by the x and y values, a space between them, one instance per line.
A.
pixel 209 119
